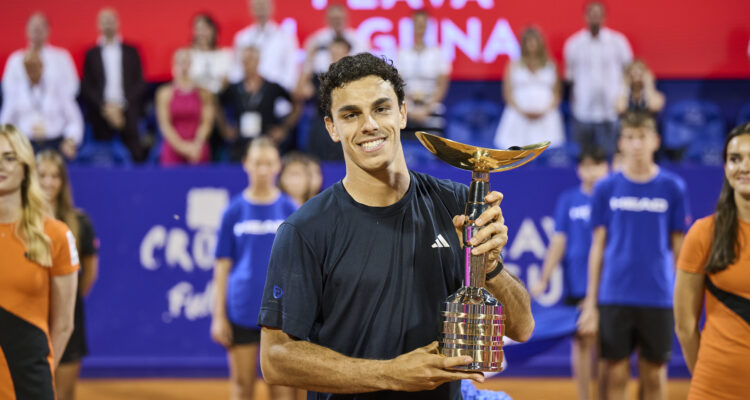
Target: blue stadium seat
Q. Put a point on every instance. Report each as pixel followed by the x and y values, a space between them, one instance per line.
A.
pixel 102 153
pixel 696 128
pixel 473 121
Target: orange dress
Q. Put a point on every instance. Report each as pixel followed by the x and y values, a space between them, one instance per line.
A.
pixel 723 367
pixel 26 359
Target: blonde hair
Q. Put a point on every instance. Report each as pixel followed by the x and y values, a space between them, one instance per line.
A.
pixel 30 228
pixel 540 55
pixel 62 204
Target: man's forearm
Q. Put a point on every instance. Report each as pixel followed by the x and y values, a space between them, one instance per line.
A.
pixel 306 365
pixel 519 323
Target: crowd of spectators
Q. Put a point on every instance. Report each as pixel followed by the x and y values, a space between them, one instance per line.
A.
pixel 222 98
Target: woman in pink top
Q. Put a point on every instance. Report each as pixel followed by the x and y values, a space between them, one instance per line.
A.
pixel 185 114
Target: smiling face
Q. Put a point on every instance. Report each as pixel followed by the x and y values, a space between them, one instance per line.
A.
pixel 737 164
pixel 367 120
pixel 11 168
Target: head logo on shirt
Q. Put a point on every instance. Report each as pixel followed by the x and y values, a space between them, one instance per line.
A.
pixel 639 204
pixel 277 292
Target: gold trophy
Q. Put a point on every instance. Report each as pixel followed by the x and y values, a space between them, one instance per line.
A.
pixel 472 319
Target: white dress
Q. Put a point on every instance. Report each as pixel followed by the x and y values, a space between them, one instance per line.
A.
pixel 532 92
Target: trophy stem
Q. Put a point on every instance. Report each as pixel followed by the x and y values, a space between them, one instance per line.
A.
pixel 475 206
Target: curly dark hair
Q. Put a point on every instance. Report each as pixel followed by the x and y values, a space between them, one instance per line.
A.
pixel 353 68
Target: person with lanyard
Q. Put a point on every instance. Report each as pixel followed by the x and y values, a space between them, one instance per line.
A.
pixel 570 245
pixel 350 309
pixel 638 217
pixel 714 265
pixel 42 108
pixel 257 107
pixel 242 250
pixel 38 277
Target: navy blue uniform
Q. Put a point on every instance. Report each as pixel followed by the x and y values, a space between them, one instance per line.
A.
pixel 368 281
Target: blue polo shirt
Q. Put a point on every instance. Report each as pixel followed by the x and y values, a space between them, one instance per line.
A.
pixel 638 265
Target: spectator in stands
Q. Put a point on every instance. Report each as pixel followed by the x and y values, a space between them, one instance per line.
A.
pixel 54 181
pixel 531 91
pixel 44 108
pixel 638 218
pixel 319 142
pixel 569 248
pixel 38 276
pixel 714 266
pixel 257 107
pixel 247 231
pixel 278 49
pixel 316 45
pixel 185 113
pixel 64 71
pixel 639 91
pixel 595 58
pixel 112 86
pixel 297 178
pixel 210 64
pixel 426 71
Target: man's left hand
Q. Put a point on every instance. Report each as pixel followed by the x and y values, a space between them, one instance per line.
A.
pixel 493 236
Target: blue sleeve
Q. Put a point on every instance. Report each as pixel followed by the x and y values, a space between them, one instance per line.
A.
pixel 294 283
pixel 599 205
pixel 680 216
pixel 225 241
pixel 562 214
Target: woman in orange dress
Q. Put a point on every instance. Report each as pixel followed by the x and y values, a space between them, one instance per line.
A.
pixel 714 265
pixel 38 265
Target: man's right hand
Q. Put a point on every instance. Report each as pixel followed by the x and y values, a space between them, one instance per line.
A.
pixel 221 331
pixel 425 369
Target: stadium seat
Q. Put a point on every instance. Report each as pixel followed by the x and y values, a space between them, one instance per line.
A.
pixel 696 129
pixel 473 121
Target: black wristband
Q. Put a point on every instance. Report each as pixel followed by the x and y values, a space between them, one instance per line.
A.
pixel 495 272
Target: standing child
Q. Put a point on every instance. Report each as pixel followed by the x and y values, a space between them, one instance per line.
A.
pixel 638 216
pixel 247 230
pixel 571 244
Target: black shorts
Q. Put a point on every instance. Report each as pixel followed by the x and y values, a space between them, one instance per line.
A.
pixel 244 335
pixel 572 301
pixel 77 346
pixel 623 328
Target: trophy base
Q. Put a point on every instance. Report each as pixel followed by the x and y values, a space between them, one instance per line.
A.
pixel 473 326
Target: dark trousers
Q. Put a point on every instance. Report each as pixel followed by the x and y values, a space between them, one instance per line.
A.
pixel 129 134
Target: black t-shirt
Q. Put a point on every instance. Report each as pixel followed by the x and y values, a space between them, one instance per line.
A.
pixel 368 281
pixel 86 241
pixel 266 102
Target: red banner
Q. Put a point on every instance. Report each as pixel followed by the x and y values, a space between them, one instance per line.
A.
pixel 678 39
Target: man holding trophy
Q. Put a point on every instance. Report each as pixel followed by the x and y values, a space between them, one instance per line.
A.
pixel 358 277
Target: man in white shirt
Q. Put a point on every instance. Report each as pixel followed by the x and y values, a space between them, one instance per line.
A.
pixel 595 58
pixel 112 86
pixel 426 72
pixel 64 72
pixel 278 49
pixel 316 46
pixel 44 110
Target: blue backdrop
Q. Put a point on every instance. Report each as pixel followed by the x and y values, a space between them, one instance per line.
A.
pixel 149 312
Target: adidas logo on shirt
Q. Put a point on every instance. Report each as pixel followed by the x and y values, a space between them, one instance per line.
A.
pixel 440 242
